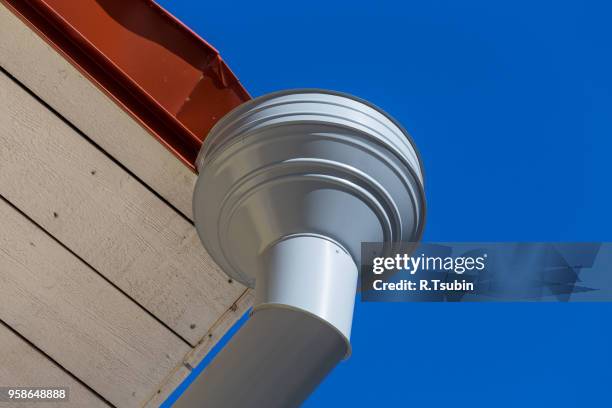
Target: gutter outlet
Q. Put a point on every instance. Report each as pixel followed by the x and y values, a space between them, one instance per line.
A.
pixel 290 184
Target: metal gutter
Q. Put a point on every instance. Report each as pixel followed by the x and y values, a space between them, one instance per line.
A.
pixel 158 70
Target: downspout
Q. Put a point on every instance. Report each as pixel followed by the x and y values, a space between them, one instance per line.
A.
pixel 290 184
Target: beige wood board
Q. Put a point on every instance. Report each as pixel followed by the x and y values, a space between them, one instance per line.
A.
pixel 77 318
pixel 197 354
pixel 22 365
pixel 107 217
pixel 37 65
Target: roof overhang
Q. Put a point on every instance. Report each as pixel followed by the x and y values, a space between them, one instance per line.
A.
pixel 162 73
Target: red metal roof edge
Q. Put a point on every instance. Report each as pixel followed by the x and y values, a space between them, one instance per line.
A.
pixel 158 70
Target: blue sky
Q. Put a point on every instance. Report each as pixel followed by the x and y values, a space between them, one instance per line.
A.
pixel 510 104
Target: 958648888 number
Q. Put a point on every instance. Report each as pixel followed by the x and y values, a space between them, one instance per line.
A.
pixel 32 394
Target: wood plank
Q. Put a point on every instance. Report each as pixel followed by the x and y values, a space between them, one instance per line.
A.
pixel 197 354
pixel 168 386
pixel 76 317
pixel 22 365
pixel 36 64
pixel 107 217
pixel 220 328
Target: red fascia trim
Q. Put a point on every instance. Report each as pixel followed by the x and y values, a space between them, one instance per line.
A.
pixel 158 70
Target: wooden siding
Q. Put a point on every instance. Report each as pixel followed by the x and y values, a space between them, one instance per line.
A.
pixel 75 316
pixel 21 363
pixel 34 63
pixel 104 285
pixel 107 217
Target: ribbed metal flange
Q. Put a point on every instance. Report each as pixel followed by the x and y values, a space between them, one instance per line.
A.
pixel 305 162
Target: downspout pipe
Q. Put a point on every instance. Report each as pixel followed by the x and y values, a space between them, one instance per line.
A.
pixel 290 184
